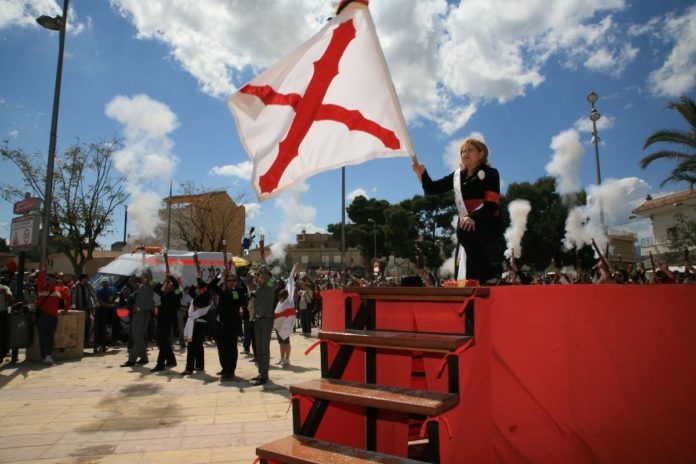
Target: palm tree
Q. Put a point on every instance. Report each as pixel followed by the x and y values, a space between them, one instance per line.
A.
pixel 686 159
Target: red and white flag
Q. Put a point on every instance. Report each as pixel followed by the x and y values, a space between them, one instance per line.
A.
pixel 328 104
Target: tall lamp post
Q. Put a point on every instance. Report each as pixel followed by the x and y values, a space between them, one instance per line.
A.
pixel 55 24
pixel 592 97
pixel 374 230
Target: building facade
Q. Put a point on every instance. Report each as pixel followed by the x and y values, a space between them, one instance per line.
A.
pixel 200 223
pixel 662 212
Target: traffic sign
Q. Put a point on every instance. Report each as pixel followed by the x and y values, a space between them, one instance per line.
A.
pixel 27 205
pixel 24 231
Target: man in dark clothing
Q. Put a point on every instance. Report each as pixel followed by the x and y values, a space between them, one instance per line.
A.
pixel 197 328
pixel 107 300
pixel 170 303
pixel 228 324
pixel 84 298
pixel 264 309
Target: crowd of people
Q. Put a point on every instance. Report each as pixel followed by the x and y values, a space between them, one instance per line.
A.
pixel 229 310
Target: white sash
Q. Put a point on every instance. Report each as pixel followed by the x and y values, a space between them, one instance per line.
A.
pixel 460 263
pixel 193 315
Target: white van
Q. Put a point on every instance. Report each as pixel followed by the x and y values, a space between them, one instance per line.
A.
pixel 181 265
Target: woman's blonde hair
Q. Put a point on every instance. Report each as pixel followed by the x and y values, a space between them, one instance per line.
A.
pixel 480 146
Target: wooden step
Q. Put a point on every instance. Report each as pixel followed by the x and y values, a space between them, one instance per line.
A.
pixel 397 340
pixel 297 449
pixel 427 403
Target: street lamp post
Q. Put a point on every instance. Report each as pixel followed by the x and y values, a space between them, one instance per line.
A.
pixel 374 230
pixel 55 24
pixel 592 97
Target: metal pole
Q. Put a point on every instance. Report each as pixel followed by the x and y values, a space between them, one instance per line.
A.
pixel 48 193
pixel 125 223
pixel 343 222
pixel 595 139
pixel 594 117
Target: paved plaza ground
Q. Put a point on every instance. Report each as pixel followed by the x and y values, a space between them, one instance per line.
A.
pixel 90 410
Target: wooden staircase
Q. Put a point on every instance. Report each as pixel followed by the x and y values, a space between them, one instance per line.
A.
pixel 360 331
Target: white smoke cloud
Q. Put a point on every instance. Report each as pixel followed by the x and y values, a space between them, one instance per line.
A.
pixel 568 151
pixel 615 198
pixel 142 210
pixel 447 269
pixel 294 214
pixel 252 210
pixel 519 210
pixel 146 160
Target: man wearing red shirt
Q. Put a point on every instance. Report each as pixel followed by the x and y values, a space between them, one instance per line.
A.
pixel 47 303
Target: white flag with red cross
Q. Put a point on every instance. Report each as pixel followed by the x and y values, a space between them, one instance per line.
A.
pixel 328 104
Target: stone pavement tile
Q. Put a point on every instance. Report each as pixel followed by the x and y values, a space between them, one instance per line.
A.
pixel 129 458
pixel 95 436
pixel 71 460
pixel 261 437
pixel 24 419
pixel 71 426
pixel 213 441
pixel 155 433
pixel 158 444
pixel 29 439
pixel 213 429
pixel 192 456
pixel 252 427
pixel 23 453
pixel 181 411
pixel 233 454
pixel 179 421
pixel 134 423
pixel 66 450
pixel 19 430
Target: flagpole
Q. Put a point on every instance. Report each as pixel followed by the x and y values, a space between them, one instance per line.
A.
pixel 343 222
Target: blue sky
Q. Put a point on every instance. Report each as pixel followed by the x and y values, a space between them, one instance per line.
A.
pixel 515 72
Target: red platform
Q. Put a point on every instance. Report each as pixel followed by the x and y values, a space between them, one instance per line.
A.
pixel 556 374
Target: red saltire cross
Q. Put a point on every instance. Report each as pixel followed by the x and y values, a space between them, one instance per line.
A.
pixel 311 108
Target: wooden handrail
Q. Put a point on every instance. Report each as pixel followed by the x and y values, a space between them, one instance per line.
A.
pixel 418 293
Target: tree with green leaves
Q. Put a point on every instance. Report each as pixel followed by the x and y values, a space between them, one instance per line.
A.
pixel 86 192
pixel 543 238
pixel 685 140
pixel 682 236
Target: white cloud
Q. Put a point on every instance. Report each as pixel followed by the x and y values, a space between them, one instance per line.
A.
pixel 585 125
pixel 356 193
pixel 445 60
pixel 13 133
pixel 676 76
pixel 23 13
pixel 568 152
pixel 242 170
pixel 146 156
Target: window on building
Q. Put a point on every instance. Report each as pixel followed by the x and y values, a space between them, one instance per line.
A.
pixel 337 259
pixel 304 259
